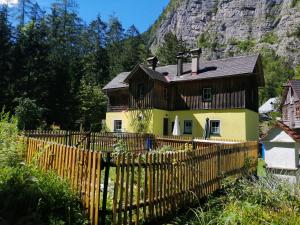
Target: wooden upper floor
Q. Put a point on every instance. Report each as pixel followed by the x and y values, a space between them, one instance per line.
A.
pixel 211 88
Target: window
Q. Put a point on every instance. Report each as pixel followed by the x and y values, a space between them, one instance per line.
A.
pixel 166 94
pixel 140 91
pixel 215 127
pixel 118 126
pixel 188 127
pixel 285 114
pixel 298 112
pixel 206 94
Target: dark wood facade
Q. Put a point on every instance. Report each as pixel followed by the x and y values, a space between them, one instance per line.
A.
pixel 227 93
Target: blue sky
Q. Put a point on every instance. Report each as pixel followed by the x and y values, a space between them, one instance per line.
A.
pixel 141 13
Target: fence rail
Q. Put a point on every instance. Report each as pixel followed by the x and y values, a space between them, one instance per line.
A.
pixel 131 188
pixel 138 143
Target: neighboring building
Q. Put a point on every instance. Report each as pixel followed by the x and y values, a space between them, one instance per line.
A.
pixel 290 104
pixel 225 91
pixel 281 151
pixel 268 107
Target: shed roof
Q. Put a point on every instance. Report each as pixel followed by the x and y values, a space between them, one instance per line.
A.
pixel 241 65
pixel 294 134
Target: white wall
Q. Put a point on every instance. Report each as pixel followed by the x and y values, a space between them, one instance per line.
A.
pixel 281 155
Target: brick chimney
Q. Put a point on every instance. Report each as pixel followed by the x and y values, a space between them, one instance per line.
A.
pixel 152 61
pixel 180 63
pixel 195 54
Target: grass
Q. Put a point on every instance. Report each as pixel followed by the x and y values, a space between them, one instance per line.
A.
pixel 248 201
pixel 261 170
pixel 270 38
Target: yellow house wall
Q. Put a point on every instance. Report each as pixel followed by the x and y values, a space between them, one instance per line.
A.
pixel 241 124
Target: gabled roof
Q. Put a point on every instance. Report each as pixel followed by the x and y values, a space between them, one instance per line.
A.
pixel 152 73
pixel 295 84
pixel 117 82
pixel 292 133
pixel 235 66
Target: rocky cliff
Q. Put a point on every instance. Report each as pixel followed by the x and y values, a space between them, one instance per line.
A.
pixel 230 27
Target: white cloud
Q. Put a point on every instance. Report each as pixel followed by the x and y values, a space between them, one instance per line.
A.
pixel 9 2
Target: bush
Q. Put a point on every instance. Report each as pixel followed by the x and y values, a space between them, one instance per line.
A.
pixel 29 114
pixel 29 196
pixel 268 200
pixel 11 146
pixel 270 38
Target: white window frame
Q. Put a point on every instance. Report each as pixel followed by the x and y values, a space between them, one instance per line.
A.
pixel 214 130
pixel 184 127
pixel 115 126
pixel 204 94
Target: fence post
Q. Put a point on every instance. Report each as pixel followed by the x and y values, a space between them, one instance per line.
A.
pixel 88 140
pixel 219 164
pixel 193 143
pixel 66 138
pixel 104 200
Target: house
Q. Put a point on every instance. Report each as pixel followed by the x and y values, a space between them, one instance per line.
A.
pixel 223 92
pixel 281 151
pixel 267 108
pixel 290 105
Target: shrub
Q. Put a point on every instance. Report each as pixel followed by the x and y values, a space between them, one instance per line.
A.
pixel 246 45
pixel 29 196
pixel 270 38
pixel 29 114
pixel 266 200
pixel 11 146
pixel 294 3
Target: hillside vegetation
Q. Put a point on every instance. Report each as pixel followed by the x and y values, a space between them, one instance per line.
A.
pixel 249 201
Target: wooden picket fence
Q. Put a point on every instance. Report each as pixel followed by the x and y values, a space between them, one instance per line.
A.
pixel 141 187
pixel 134 142
pixel 96 141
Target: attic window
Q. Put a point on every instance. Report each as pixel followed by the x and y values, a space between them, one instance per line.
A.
pixel 140 91
pixel 298 112
pixel 166 94
pixel 206 94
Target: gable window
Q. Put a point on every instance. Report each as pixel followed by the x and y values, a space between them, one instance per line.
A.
pixel 298 112
pixel 215 127
pixel 140 91
pixel 188 127
pixel 207 96
pixel 285 114
pixel 118 126
pixel 166 94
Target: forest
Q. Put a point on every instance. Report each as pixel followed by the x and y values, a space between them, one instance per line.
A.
pixel 53 64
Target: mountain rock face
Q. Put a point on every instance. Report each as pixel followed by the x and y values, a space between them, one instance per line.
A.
pixel 230 27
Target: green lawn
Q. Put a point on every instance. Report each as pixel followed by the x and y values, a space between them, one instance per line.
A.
pixel 261 170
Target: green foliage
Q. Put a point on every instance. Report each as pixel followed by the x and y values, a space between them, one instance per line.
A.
pixel 168 51
pixel 140 120
pixel 29 114
pixel 49 54
pixel 277 71
pixel 203 40
pixel 294 3
pixel 31 197
pixel 246 45
pixel 92 103
pixel 297 72
pixel 296 33
pixel 166 148
pixel 268 200
pixel 270 38
pixel 11 146
pixel 121 147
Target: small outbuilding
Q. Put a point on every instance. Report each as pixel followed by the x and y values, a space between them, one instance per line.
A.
pixel 281 151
